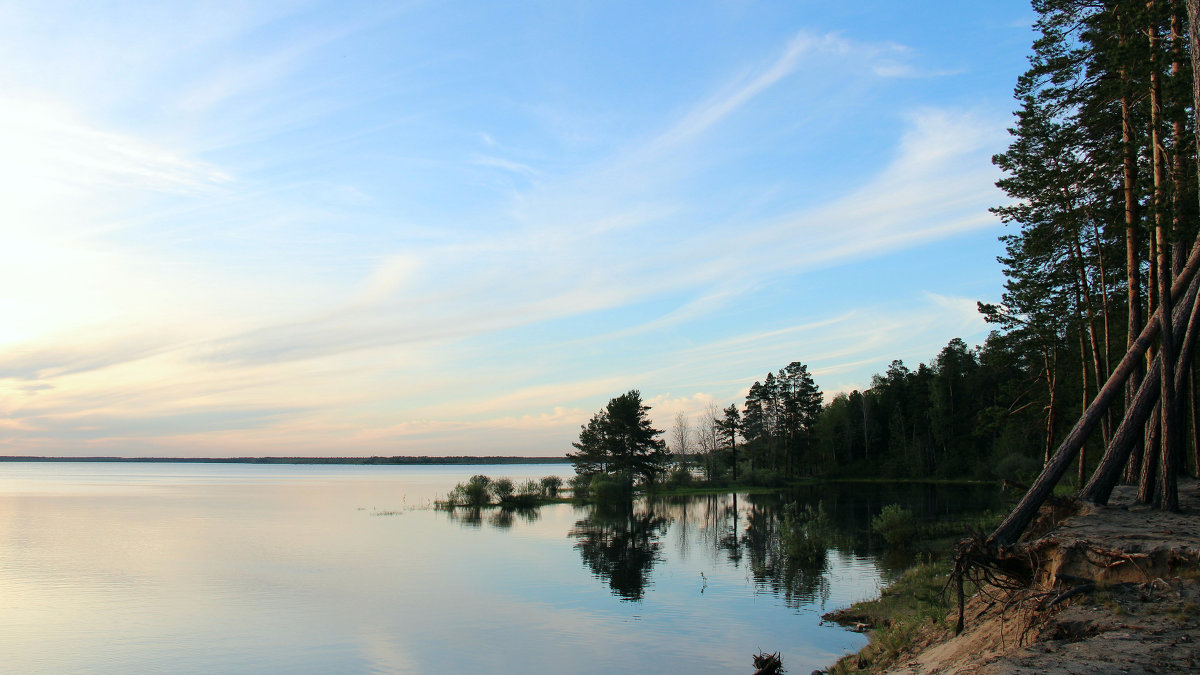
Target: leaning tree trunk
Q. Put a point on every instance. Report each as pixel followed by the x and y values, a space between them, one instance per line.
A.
pixel 1105 478
pixel 1020 517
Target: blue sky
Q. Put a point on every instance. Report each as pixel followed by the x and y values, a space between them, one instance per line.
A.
pixel 307 228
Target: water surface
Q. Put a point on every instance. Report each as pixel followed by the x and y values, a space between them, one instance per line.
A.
pixel 238 568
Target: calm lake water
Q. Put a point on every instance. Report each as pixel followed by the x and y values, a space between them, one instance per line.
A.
pixel 236 568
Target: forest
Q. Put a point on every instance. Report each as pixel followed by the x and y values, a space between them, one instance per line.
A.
pixel 1100 251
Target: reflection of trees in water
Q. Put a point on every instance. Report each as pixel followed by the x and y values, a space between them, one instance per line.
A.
pixel 467 517
pixel 708 522
pixel 728 537
pixel 504 518
pixel 621 543
pixel 801 579
pixel 748 528
pixel 498 517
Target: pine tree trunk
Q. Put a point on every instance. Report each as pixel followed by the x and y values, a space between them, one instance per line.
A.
pixel 1178 252
pixel 1132 257
pixel 1167 436
pixel 1099 372
pixel 1193 19
pixel 1050 367
pixel 1148 492
pixel 1103 271
pixel 1195 423
pixel 1083 367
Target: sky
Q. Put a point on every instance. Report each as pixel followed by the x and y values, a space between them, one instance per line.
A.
pixel 447 228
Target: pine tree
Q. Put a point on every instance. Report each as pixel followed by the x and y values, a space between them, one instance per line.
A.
pixel 620 439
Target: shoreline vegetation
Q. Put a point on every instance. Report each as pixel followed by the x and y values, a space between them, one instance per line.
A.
pixel 482 490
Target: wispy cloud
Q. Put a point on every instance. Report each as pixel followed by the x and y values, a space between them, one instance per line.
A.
pixel 726 102
pixel 273 253
pixel 508 165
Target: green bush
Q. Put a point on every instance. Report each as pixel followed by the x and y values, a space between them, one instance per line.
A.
pixel 581 485
pixel 760 477
pixel 896 524
pixel 681 477
pixel 472 493
pixel 528 495
pixel 502 489
pixel 1018 467
pixel 531 488
pixel 551 485
pixel 611 487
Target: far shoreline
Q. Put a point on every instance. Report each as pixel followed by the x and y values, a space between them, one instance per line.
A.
pixel 396 460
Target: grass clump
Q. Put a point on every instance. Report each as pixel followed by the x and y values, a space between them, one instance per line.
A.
pixel 898 619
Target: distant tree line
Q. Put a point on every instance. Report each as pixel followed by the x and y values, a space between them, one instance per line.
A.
pixel 968 413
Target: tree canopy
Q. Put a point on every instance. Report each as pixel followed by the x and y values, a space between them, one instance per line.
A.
pixel 620 439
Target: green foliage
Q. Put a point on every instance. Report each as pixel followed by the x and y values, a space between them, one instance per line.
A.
pixel 502 489
pixel 481 491
pixel 619 439
pixel 527 495
pixel 896 524
pixel 760 477
pixel 581 485
pixel 681 477
pixel 551 485
pixel 474 492
pixel 904 609
pixel 778 422
pixel 611 488
pixel 1018 467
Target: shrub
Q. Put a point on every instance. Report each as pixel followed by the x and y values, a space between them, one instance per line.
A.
pixel 761 477
pixel 681 476
pixel 1017 466
pixel 528 495
pixel 551 485
pixel 472 493
pixel 457 497
pixel 612 487
pixel 896 524
pixel 502 489
pixel 581 485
